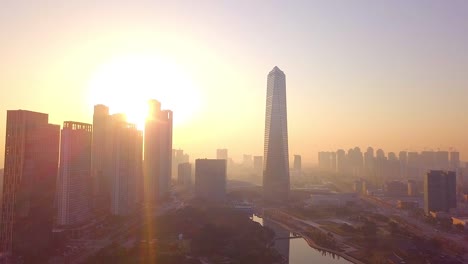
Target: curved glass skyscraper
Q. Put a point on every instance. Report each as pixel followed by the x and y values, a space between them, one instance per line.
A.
pixel 276 163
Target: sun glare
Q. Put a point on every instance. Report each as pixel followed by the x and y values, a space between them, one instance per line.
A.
pixel 126 83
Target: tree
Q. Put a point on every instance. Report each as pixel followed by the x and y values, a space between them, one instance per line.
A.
pixel 460 227
pixel 369 229
pixel 394 227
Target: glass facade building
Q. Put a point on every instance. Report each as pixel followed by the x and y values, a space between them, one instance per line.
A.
pixel 276 158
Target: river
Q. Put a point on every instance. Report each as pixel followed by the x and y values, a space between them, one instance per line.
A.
pixel 296 250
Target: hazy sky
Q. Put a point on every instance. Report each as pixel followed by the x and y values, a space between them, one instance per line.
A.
pixel 390 74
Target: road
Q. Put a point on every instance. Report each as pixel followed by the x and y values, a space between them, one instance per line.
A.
pixel 425 229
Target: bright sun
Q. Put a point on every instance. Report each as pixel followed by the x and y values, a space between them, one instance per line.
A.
pixel 126 83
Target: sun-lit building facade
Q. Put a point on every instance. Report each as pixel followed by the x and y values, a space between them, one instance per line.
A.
pixel 74 179
pixel 276 155
pixel 117 163
pixel 125 165
pixel 157 152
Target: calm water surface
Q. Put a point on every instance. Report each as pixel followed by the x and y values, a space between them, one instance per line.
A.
pixel 297 250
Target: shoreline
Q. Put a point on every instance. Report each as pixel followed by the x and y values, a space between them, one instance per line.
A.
pixel 314 245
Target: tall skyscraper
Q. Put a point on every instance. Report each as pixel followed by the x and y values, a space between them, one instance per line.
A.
pixel 125 165
pixel 440 191
pixel 341 161
pixel 100 160
pixel 413 170
pixel 369 162
pixel 74 180
pixel 333 161
pixel 29 183
pixel 403 158
pixel 276 153
pixel 158 151
pixel 210 179
pixel 381 166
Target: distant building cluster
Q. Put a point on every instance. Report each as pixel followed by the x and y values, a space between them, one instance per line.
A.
pixel 433 179
pixel 405 165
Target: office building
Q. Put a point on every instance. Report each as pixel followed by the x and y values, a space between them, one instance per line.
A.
pixel 74 194
pixel 125 165
pixel 276 153
pixel 210 179
pixel 355 162
pixel 222 154
pixel 297 167
pixel 324 160
pixel 258 164
pixel 442 160
pixel 100 160
pixel 178 157
pixel 184 176
pixel 413 169
pixel 341 161
pixel 380 165
pixel 369 163
pixel 29 183
pixel 440 191
pixel 454 160
pixel 403 159
pixel 158 152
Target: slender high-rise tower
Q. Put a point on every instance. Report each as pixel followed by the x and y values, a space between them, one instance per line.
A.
pixel 100 160
pixel 157 152
pixel 276 158
pixel 74 179
pixel 31 164
pixel 125 164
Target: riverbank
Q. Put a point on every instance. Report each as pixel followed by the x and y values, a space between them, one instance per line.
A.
pixel 312 243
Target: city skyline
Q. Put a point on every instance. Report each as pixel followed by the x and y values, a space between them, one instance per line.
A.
pixel 365 72
pixel 191 132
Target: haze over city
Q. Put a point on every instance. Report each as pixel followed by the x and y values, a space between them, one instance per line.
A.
pixel 205 132
pixel 359 73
